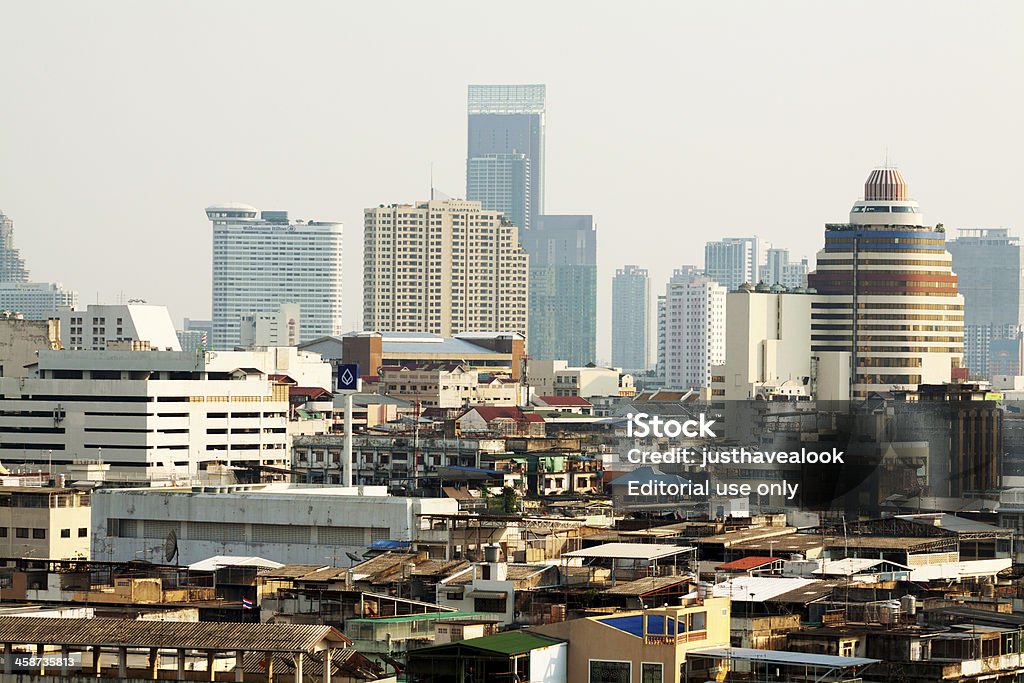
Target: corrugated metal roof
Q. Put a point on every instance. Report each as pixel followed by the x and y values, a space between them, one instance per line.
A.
pixel 747 654
pixel 168 634
pixel 760 588
pixel 633 551
pixel 646 585
pixel 510 642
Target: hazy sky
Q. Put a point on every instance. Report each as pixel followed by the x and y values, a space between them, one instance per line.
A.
pixel 672 122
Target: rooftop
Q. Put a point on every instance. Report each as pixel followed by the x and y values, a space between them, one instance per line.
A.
pixel 782 657
pixel 169 634
pixel 632 551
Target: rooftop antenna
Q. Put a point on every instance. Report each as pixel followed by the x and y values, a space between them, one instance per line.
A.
pixel 431 180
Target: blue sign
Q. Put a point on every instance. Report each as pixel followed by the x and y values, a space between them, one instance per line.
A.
pixel 348 377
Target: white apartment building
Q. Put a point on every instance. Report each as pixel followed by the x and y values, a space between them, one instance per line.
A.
pixel 272 328
pixel 36 300
pixel 693 329
pixel 768 350
pixel 779 270
pixel 99 325
pixel 733 261
pixel 443 267
pixel 153 415
pixel 262 259
pixel 558 378
pixel 279 522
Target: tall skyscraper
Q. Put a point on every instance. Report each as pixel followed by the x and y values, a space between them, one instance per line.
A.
pixel 990 265
pixel 779 270
pixel 262 260
pixel 887 294
pixel 443 267
pixel 12 266
pixel 631 303
pixel 34 300
pixel 732 261
pixel 501 182
pixel 693 328
pixel 563 288
pixel 505 154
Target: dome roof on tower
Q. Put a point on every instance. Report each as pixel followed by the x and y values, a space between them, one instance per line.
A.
pixel 886 184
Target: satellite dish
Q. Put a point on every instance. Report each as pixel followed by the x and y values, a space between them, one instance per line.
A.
pixel 170 547
pixel 355 558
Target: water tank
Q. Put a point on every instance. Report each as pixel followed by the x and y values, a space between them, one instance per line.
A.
pixel 492 553
pixel 908 604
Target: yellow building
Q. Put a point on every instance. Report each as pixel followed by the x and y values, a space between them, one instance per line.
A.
pixel 646 646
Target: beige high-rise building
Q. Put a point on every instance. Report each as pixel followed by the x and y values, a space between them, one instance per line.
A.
pixel 443 267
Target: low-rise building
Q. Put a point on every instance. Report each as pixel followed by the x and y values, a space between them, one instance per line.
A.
pixel 447 386
pixel 45 522
pixel 279 522
pixel 558 378
pixel 20 339
pixel 98 326
pixel 647 645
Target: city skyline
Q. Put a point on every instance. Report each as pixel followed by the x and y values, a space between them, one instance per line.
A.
pixel 140 192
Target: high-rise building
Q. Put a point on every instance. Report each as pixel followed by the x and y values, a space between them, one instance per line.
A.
pixel 33 300
pixel 501 182
pixel 733 261
pixel 195 334
pixel 262 260
pixel 12 266
pixel 659 319
pixel 990 265
pixel 274 328
pixel 694 328
pixel 563 288
pixel 631 304
pixel 443 267
pixel 507 122
pixel 36 300
pixel 887 294
pixel 779 270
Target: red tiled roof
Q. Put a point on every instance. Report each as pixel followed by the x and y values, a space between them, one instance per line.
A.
pixel 747 563
pixel 311 392
pixel 489 413
pixel 564 401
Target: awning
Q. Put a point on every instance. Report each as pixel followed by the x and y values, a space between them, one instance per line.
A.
pixel 488 595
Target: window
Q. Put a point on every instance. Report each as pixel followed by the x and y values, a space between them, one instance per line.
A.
pixel 610 672
pixel 651 672
pixel 21 532
pixel 83 532
pixel 39 533
pixel 65 533
pixel 3 532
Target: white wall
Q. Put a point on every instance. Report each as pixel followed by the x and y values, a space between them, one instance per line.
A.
pixel 548 664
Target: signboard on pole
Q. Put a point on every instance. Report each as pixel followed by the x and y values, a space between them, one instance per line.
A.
pixel 348 377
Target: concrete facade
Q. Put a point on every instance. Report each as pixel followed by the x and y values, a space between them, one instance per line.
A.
pixel 100 325
pixel 288 524
pixel 21 339
pixel 443 267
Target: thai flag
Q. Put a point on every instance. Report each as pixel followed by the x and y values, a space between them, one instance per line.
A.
pixel 247 603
